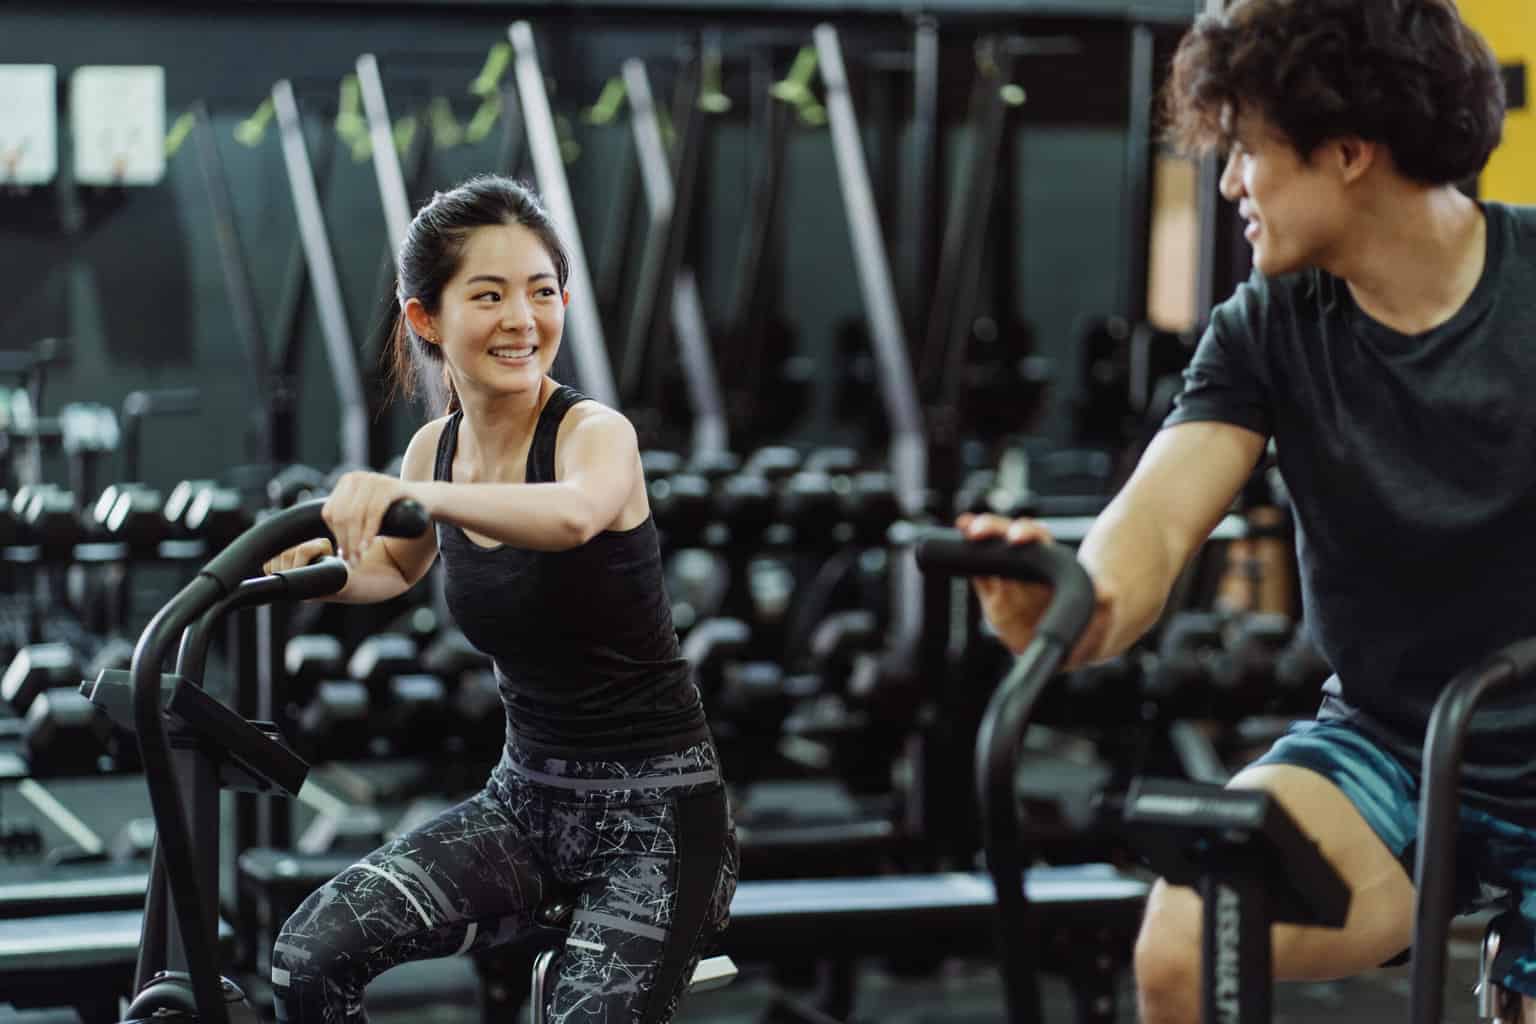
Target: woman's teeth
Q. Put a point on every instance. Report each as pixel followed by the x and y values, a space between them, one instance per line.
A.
pixel 512 353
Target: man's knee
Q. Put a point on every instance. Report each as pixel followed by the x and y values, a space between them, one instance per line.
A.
pixel 1167 955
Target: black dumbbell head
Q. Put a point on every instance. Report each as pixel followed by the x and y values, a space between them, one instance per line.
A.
pixel 65 734
pixel 35 668
pixel 382 657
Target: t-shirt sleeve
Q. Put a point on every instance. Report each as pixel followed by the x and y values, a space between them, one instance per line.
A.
pixel 1226 380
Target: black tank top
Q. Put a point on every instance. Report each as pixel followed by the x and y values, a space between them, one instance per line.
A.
pixel 585 651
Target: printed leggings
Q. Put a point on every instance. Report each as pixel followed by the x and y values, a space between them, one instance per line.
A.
pixel 646 847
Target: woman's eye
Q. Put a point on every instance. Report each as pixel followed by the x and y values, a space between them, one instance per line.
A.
pixel 492 296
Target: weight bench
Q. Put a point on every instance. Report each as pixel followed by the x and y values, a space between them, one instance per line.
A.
pixel 82 960
pixel 1088 917
pixel 39 890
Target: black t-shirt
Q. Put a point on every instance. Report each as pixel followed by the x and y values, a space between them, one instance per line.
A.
pixel 1411 467
pixel 586 655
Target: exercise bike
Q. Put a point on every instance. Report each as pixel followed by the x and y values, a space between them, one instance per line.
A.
pixel 1249 860
pixel 193 745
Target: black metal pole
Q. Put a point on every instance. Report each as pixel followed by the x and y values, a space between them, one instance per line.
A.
pixel 244 308
pixel 1435 856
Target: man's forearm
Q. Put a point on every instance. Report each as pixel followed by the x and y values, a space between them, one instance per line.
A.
pixel 1129 559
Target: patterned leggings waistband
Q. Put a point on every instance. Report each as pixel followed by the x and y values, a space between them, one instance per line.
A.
pixel 694 766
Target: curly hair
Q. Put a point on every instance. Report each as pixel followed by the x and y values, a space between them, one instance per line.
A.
pixel 1408 74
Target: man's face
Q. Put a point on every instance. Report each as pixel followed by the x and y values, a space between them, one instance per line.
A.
pixel 1293 208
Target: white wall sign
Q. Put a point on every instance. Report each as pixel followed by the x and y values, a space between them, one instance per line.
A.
pixel 29 124
pixel 117 122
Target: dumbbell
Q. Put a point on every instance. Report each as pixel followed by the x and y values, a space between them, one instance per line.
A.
pixel 36 668
pixel 835 643
pixel 1245 675
pixel 1102 692
pixel 420 623
pixel 478 719
pixel 329 712
pixel 697 580
pixel 132 514
pixel 10 522
pixel 309 659
pixel 481 714
pixel 747 716
pixel 336 723
pixel 658 464
pixel 1300 670
pixel 382 657
pixel 714 466
pixel 180 500
pixel 416 717
pixel 710 646
pixel 294 484
pixel 48 517
pixel 772 462
pixel 1182 673
pixel 974 495
pixel 682 506
pixel 409 706
pixel 115 654
pixel 746 504
pixel 812 506
pixel 834 461
pixel 65 734
pixel 202 509
pixel 871 507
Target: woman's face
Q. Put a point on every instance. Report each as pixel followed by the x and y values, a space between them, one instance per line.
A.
pixel 499 322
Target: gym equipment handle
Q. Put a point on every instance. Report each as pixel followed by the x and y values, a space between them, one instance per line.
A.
pixel 279 532
pixel 948 551
pixel 218 580
pixel 1434 872
pixel 1002 729
pixel 318 579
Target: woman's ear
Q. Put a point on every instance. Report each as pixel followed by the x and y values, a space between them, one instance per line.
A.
pixel 420 320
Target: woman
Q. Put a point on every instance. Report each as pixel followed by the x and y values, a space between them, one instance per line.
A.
pixel 609 784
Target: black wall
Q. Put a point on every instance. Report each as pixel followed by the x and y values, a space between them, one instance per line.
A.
pixel 131 277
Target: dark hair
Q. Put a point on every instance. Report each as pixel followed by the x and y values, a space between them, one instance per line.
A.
pixel 1408 74
pixel 432 251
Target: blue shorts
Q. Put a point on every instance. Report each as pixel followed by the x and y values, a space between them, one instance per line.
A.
pixel 1495 859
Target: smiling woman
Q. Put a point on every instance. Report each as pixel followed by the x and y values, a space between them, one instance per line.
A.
pixel 446 255
pixel 609 784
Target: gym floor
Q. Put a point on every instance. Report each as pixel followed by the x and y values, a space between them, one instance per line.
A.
pixel 443 992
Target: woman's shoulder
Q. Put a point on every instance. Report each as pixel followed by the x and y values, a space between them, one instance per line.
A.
pixel 421 453
pixel 590 415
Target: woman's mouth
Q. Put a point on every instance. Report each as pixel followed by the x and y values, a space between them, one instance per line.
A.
pixel 514 354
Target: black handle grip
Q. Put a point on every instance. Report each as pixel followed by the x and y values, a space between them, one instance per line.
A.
pixel 318 579
pixel 948 552
pixel 244 556
pixel 405 518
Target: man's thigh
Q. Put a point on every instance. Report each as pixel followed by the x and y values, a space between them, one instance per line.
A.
pixel 1380 921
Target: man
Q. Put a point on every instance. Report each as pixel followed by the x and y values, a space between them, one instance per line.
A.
pixel 1386 342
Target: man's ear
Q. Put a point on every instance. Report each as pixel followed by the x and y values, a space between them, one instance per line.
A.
pixel 1353 156
pixel 420 320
